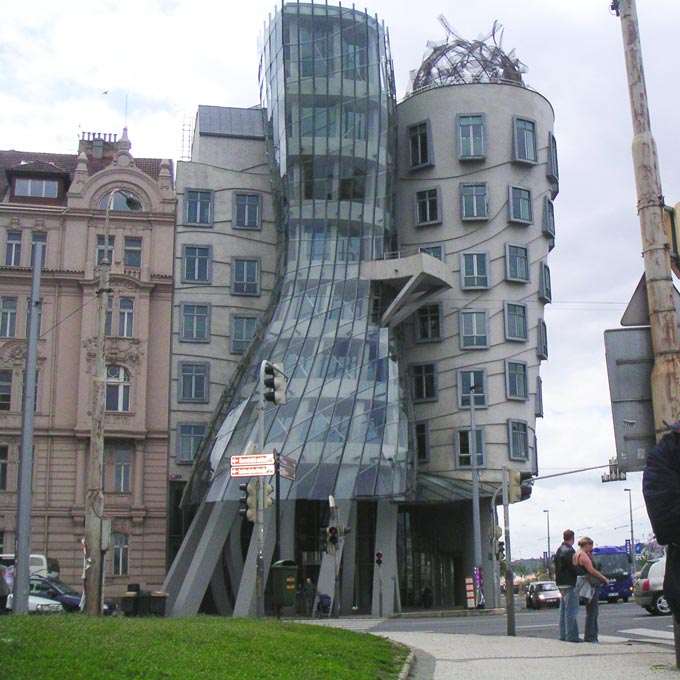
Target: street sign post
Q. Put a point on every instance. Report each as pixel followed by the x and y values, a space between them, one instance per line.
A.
pixel 254 459
pixel 253 471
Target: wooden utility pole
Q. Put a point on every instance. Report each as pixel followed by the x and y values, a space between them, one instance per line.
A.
pixel 655 247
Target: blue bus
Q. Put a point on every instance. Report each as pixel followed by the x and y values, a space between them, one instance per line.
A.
pixel 615 564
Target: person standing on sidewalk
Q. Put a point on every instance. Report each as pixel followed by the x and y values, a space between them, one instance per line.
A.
pixel 565 577
pixel 583 561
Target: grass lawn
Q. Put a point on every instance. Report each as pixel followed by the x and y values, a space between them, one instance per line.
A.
pixel 77 647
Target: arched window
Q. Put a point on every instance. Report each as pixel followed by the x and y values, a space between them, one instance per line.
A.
pixel 126 201
pixel 117 389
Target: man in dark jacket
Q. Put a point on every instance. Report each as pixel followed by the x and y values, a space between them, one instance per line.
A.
pixel 661 489
pixel 565 577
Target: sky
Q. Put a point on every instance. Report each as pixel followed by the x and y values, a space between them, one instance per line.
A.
pixel 98 65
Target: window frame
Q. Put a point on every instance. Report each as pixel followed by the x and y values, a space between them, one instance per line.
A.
pixel 197 202
pixel 6 379
pixel 525 198
pixel 516 382
pixel 233 282
pixel 509 258
pixel 180 458
pixel 4 467
pixel 460 137
pixel 480 443
pixel 468 312
pixel 424 380
pixel 126 317
pixel 233 347
pixel 130 248
pixel 236 224
pixel 421 439
pixel 419 199
pixel 463 392
pixel 419 337
pixel 552 168
pixel 122 469
pixel 542 339
pixel 548 222
pixel 45 182
pixel 197 260
pixel 475 215
pixel 521 153
pixel 545 285
pixel 538 399
pixel 123 386
pixel 513 441
pixel 8 316
pixel 181 377
pixel 464 275
pixel 120 558
pixel 428 250
pixel 103 250
pixel 13 248
pixel 183 336
pixel 508 316
pixel 413 131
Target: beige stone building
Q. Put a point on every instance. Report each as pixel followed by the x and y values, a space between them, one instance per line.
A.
pixel 61 200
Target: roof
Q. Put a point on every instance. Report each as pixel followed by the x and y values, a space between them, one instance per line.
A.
pixel 222 121
pixel 44 163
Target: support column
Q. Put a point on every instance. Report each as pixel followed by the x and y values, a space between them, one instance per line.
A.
pixel 386 543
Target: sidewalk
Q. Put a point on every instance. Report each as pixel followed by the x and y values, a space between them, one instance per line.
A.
pixel 485 657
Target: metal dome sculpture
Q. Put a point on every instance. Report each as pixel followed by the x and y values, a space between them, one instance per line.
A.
pixel 458 61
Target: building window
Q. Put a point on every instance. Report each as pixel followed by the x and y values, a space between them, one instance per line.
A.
pixel 8 317
pixel 520 205
pixel 464 449
pixel 126 317
pixel 474 270
pixel 538 403
pixel 471 137
pixel 13 249
pixel 36 188
pixel 422 437
pixel 132 255
pixel 516 380
pixel 525 147
pixel 242 332
pixel 247 211
pixel 474 202
pixel 189 438
pixel 518 438
pixel 548 217
pixel 424 382
pixel 122 467
pixel 545 289
pixel 193 382
pixel 102 250
pixel 552 170
pixel 516 263
pixel 318 121
pixel 427 207
pixel 515 321
pixel 195 322
pixel 117 389
pixel 245 276
pixel 473 329
pixel 122 201
pixel 315 42
pixel 39 237
pixel 199 207
pixel 435 251
pixel 196 264
pixel 5 390
pixel 120 554
pixel 429 323
pixel 420 153
pixel 35 390
pixel 467 377
pixel 542 342
pixel 4 467
pixel 353 123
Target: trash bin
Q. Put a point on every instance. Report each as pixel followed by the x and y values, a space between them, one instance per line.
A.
pixel 158 599
pixel 128 605
pixel 144 603
pixel 284 583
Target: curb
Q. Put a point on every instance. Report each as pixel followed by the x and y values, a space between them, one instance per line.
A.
pixel 406 668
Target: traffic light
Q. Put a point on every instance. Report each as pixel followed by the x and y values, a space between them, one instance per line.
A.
pixel 520 486
pixel 332 535
pixel 274 383
pixel 501 551
pixel 268 489
pixel 248 500
pixel 378 558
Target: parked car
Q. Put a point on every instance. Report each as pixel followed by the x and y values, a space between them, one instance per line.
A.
pixel 543 594
pixel 648 587
pixel 39 605
pixel 54 589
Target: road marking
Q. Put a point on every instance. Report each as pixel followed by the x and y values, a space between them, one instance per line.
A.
pixel 359 625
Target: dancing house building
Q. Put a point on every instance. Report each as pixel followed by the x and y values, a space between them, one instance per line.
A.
pixel 402 274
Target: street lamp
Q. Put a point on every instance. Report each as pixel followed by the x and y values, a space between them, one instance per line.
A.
pixel 94 500
pixel 547 516
pixel 632 539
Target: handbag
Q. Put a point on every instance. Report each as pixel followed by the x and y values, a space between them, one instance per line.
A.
pixel 584 589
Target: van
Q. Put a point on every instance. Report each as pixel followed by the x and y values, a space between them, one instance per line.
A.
pixel 38 565
pixel 649 588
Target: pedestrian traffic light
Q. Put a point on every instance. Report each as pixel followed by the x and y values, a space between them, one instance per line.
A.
pixel 274 383
pixel 501 551
pixel 378 558
pixel 332 535
pixel 248 501
pixel 520 486
pixel 268 489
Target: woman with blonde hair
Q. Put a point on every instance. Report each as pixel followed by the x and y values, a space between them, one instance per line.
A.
pixel 584 564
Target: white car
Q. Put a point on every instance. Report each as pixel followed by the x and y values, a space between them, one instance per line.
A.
pixel 648 591
pixel 39 605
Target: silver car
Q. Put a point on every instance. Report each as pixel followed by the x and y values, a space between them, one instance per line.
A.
pixel 648 587
pixel 39 605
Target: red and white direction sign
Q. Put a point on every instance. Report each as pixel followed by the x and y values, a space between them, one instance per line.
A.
pixel 253 471
pixel 255 459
